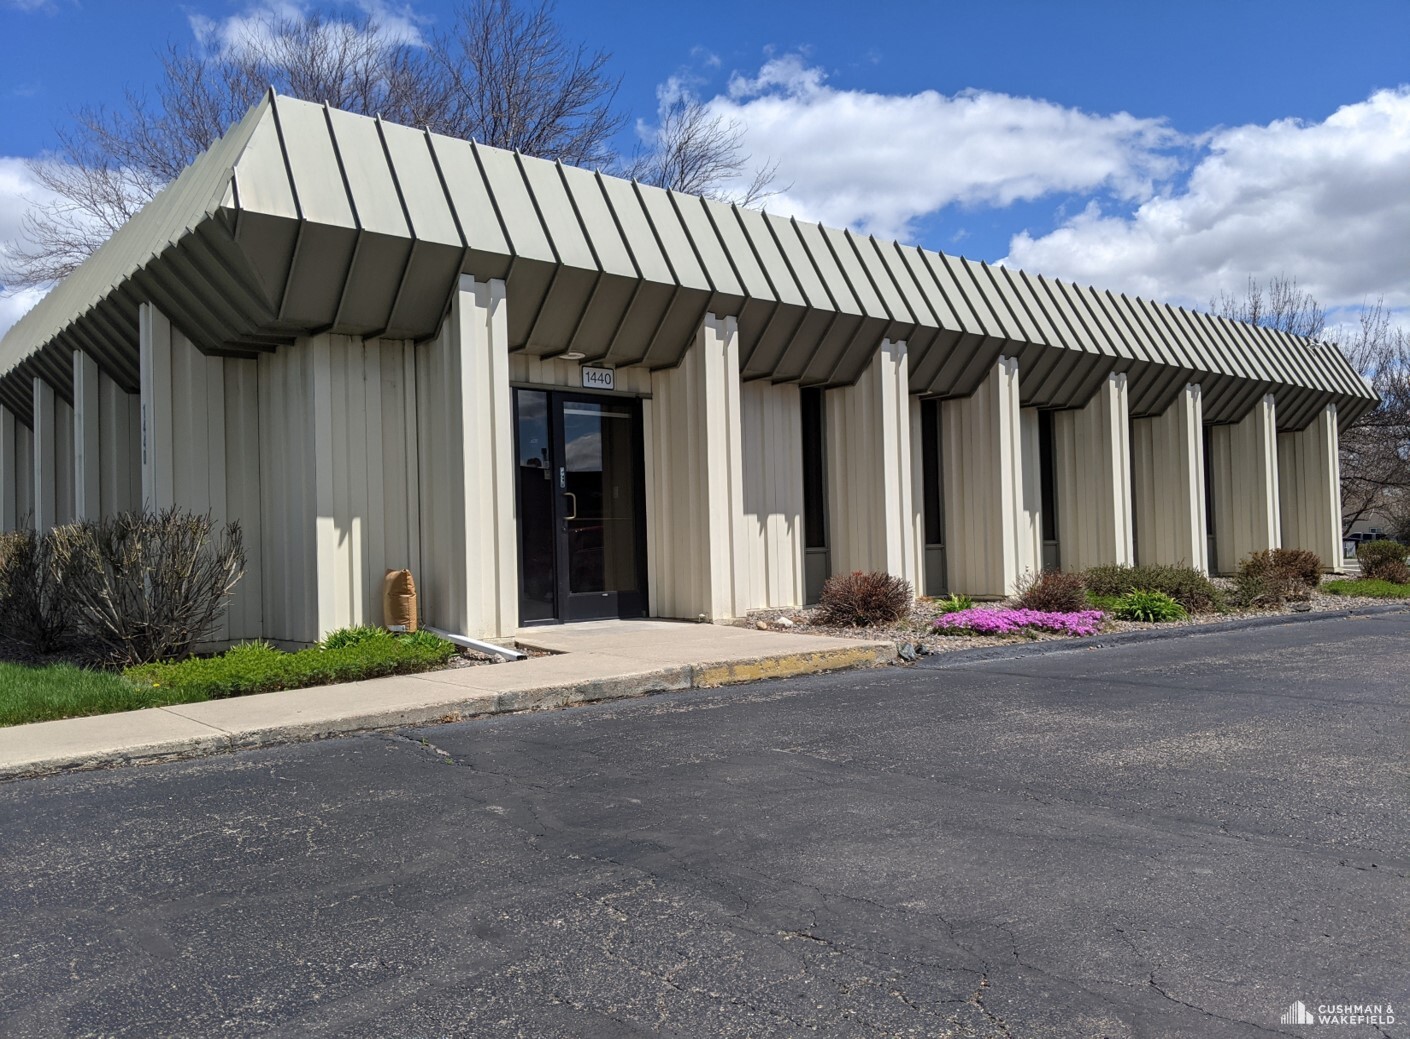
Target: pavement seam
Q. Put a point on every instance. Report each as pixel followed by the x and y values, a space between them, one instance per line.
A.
pixel 171 709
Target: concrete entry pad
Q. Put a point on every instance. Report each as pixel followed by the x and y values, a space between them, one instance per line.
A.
pixel 601 660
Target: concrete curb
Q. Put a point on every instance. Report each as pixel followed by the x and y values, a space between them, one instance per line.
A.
pixel 187 731
pixel 1039 649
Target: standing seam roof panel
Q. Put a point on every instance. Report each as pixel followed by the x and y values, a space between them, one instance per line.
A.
pixel 771 259
pixel 754 282
pixel 636 230
pixel 471 206
pixel 313 166
pixel 556 212
pixel 376 202
pixel 510 195
pixel 709 251
pixel 611 252
pixel 419 184
pixel 671 234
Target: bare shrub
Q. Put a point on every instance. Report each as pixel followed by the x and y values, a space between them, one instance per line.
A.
pixel 1054 591
pixel 34 604
pixel 862 600
pixel 149 586
pixel 1263 582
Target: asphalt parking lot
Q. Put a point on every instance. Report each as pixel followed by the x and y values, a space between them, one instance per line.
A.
pixel 1175 838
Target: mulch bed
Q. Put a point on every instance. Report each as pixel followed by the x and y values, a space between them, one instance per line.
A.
pixel 917 629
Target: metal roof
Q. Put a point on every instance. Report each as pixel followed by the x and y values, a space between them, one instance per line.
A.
pixel 304 218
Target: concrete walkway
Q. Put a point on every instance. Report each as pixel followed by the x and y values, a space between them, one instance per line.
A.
pixel 602 660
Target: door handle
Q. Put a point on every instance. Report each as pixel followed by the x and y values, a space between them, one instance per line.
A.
pixel 570 494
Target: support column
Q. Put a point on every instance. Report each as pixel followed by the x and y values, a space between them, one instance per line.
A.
pixel 1309 488
pixel 1167 462
pixel 1092 452
pixel 158 469
pixel 697 546
pixel 873 510
pixel 9 475
pixel 992 506
pixel 1245 486
pixel 45 475
pixel 469 534
pixel 87 464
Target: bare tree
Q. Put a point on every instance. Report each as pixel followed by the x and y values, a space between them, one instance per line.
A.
pixel 515 83
pixel 1375 447
pixel 699 153
pixel 1283 306
pixel 110 162
pixel 505 77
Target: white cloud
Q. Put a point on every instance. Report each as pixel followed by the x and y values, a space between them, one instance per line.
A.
pixel 254 26
pixel 879 162
pixel 1327 203
pixel 18 193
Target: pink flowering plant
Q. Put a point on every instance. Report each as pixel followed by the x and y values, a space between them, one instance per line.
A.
pixel 1004 620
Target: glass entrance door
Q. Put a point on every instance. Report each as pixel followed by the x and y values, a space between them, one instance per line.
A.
pixel 581 523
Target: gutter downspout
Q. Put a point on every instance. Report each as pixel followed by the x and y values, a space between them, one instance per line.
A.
pixel 466 642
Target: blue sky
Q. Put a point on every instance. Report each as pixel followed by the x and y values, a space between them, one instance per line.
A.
pixel 1163 149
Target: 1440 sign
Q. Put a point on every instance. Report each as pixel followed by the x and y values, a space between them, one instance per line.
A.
pixel 599 379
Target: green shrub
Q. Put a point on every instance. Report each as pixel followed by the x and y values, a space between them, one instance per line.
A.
pixel 257 667
pixel 862 600
pixel 1369 587
pixel 1052 591
pixel 952 603
pixel 1151 607
pixel 148 586
pixel 1186 585
pixel 35 604
pixel 1374 553
pixel 344 637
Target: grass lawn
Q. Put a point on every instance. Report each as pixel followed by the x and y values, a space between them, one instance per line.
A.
pixel 37 694
pixel 46 692
pixel 1373 589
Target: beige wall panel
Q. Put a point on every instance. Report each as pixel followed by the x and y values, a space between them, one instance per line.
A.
pixel 245 617
pixel 155 413
pixel 873 510
pixel 289 568
pixel 43 467
pixel 468 528
pixel 1245 486
pixel 1167 484
pixel 87 438
pixel 698 544
pixel 554 371
pixel 64 496
pixel 24 475
pixel 1092 458
pixel 119 448
pixel 9 472
pixel 771 428
pixel 1028 493
pixel 1309 488
pixel 990 509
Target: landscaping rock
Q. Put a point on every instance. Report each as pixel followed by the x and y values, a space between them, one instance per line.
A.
pixel 783 622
